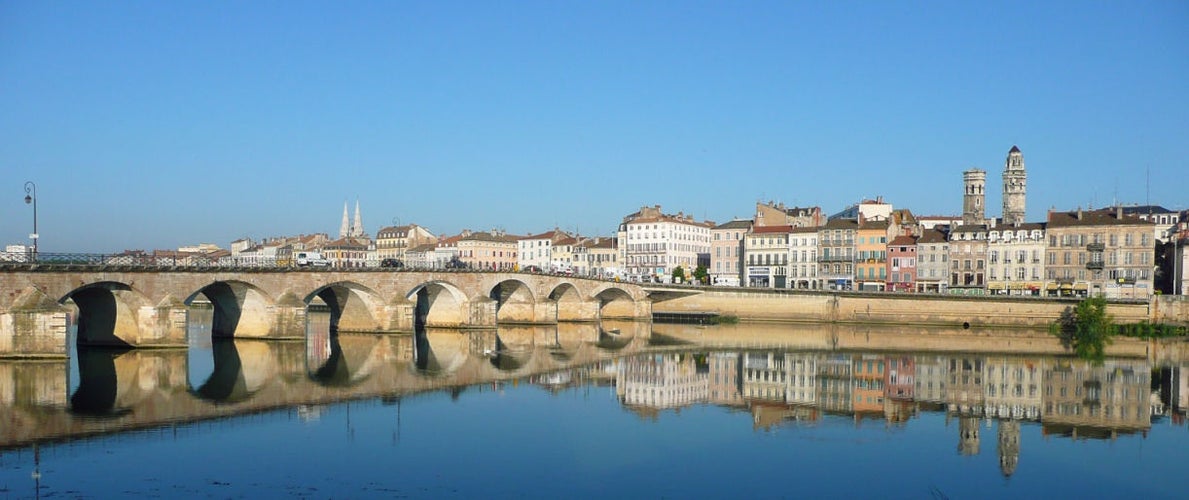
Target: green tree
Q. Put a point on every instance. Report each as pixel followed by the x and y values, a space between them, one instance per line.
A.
pixel 702 275
pixel 1086 328
pixel 678 274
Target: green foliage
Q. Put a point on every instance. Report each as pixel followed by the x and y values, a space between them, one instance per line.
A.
pixel 1086 328
pixel 702 275
pixel 678 274
pixel 1146 331
pixel 725 319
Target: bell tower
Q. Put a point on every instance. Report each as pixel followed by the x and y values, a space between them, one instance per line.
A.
pixel 973 206
pixel 1014 189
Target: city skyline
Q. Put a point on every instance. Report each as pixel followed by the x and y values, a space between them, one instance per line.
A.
pixel 156 126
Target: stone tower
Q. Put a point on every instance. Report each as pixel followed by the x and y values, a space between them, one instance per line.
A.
pixel 973 206
pixel 968 440
pixel 1014 178
pixel 1009 446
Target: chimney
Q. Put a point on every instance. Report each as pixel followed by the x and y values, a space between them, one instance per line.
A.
pixel 1079 213
pixel 1119 212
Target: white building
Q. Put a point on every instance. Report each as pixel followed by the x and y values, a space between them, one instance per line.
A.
pixel 803 258
pixel 1015 259
pixel 766 256
pixel 536 251
pixel 653 243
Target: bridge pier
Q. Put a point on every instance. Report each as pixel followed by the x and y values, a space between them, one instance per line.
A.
pixel 34 327
pixel 481 313
pixel 162 325
pixel 400 315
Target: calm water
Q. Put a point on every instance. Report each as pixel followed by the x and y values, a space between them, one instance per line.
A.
pixel 579 412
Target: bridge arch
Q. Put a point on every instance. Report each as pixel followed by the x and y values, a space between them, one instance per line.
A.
pixel 514 301
pixel 241 309
pixel 353 307
pixel 438 304
pixel 615 302
pixel 107 313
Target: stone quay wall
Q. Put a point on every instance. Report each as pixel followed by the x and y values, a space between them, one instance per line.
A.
pixel 906 309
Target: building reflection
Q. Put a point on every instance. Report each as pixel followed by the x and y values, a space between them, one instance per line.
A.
pixel 1065 397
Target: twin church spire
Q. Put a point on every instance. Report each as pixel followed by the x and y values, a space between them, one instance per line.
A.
pixel 352 229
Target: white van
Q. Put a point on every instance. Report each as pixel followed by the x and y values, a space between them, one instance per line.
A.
pixel 308 259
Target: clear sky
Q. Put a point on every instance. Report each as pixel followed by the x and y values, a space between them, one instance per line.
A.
pixel 157 124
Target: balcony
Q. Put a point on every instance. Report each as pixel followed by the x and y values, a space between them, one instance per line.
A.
pixel 836 258
pixel 1095 247
pixel 1094 264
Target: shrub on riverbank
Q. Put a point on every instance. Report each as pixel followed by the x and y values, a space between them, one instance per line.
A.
pixel 1086 328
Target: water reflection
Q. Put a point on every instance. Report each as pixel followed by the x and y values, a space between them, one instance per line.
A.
pixel 984 405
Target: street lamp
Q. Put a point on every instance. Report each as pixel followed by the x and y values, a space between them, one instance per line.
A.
pixel 31 198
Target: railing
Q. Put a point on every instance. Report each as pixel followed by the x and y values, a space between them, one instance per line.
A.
pixel 836 258
pixel 82 261
pixel 1094 264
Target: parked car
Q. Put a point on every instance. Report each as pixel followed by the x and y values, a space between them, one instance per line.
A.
pixel 392 263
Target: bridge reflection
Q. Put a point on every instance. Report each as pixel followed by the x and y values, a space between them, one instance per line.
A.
pixel 117 389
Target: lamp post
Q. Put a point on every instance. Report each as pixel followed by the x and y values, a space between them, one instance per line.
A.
pixel 31 198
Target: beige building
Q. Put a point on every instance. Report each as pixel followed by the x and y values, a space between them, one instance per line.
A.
pixel 350 252
pixel 602 258
pixel 726 250
pixel 653 243
pixel 1099 252
pixel 836 254
pixel 933 262
pixel 776 214
pixel 493 250
pixel 394 241
pixel 968 259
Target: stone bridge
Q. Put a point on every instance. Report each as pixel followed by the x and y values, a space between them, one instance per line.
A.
pixel 148 307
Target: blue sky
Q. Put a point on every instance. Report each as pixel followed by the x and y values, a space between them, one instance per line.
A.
pixel 157 124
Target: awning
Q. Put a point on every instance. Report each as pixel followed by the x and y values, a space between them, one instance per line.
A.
pixel 1051 286
pixel 995 286
pixel 1080 286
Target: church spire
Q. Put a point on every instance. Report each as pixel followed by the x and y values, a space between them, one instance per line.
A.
pixel 345 228
pixel 1014 187
pixel 357 227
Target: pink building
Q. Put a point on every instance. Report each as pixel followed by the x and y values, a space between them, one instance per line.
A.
pixel 902 264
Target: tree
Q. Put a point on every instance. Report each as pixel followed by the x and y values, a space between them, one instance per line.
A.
pixel 1086 328
pixel 678 274
pixel 702 275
